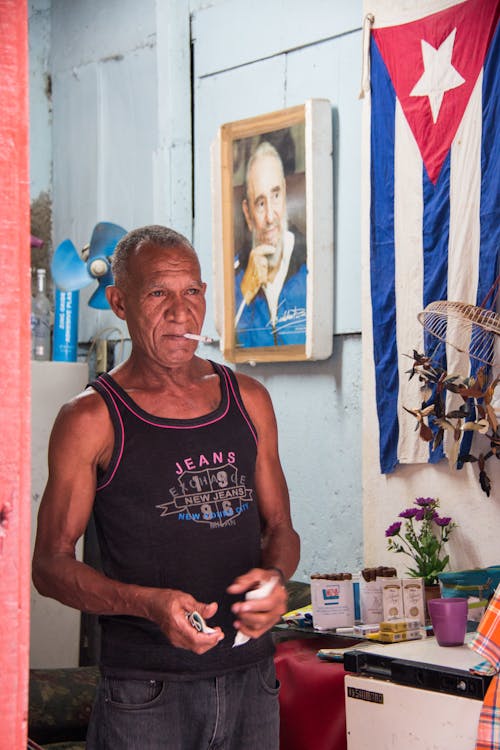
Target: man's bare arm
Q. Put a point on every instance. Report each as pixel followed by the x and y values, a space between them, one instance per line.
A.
pixel 81 440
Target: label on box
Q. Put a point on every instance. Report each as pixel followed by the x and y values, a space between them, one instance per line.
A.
pixel 332 603
pixel 392 599
pixel 414 599
pixel 370 601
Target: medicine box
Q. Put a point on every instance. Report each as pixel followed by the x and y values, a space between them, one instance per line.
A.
pixel 332 603
pixel 392 599
pixel 370 600
pixel 414 598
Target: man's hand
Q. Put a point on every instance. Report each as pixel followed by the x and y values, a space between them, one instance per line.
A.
pixel 170 609
pixel 255 616
pixel 257 271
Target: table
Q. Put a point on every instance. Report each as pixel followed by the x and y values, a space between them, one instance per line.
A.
pixel 312 703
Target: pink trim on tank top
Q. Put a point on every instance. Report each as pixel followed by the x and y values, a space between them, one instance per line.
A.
pixel 167 426
pixel 239 404
pixel 120 454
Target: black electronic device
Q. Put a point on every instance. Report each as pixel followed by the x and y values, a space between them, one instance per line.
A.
pixel 428 676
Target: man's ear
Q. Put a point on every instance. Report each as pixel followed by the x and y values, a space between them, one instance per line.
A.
pixel 114 295
pixel 246 211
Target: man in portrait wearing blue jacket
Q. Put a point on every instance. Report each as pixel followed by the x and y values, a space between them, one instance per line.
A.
pixel 270 291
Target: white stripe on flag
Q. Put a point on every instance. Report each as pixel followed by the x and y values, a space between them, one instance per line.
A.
pixel 464 240
pixel 408 212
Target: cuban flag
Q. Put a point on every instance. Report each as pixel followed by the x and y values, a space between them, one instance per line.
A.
pixel 434 170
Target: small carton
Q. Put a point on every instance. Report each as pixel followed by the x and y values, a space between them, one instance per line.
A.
pixel 332 603
pixel 414 598
pixel 400 626
pixel 392 599
pixel 407 635
pixel 370 601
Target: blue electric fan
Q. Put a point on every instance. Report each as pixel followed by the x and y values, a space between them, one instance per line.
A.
pixel 71 271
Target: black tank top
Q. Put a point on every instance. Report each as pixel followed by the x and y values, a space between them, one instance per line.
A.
pixel 177 509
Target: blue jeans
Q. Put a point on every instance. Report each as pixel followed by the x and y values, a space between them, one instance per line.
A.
pixel 237 711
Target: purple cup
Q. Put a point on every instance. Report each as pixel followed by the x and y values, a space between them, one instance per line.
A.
pixel 449 620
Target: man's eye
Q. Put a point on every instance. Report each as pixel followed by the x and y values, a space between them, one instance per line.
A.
pixel 193 291
pixel 157 293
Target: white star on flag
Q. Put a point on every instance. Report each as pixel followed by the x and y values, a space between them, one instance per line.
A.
pixel 439 74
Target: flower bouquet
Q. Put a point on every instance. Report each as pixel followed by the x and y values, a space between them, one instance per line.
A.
pixel 422 535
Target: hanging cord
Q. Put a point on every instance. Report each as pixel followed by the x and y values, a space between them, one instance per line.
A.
pixel 101 335
pixel 368 22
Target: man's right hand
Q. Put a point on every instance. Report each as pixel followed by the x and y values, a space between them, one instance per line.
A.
pixel 257 271
pixel 169 609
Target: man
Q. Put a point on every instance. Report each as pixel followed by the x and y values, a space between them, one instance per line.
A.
pixel 177 458
pixel 270 292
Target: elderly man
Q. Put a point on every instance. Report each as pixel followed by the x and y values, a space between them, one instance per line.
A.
pixel 270 289
pixel 177 458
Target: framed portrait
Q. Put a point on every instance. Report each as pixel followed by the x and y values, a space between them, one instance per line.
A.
pixel 272 197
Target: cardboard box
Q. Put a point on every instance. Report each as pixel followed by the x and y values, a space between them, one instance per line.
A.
pixel 332 603
pixel 392 599
pixel 414 598
pixel 370 601
pixel 407 635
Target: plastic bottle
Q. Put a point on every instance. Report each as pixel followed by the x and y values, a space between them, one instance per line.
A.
pixel 40 319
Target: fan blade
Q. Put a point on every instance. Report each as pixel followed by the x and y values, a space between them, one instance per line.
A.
pixel 104 239
pixel 68 269
pixel 98 298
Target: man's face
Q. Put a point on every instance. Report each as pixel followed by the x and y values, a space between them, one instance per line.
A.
pixel 162 298
pixel 265 206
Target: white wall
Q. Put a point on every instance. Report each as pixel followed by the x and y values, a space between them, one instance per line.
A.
pixel 39 97
pixel 54 628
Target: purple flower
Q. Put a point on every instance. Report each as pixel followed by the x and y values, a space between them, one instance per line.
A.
pixel 408 513
pixel 420 514
pixel 393 529
pixel 444 521
pixel 424 502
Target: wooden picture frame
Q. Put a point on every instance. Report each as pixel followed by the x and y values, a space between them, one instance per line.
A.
pixel 272 196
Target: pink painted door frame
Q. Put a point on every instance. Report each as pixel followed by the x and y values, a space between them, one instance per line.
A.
pixel 15 296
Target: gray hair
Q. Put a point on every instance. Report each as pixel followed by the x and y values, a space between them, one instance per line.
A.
pixel 130 243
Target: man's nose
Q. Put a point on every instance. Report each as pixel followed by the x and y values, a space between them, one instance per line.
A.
pixel 177 308
pixel 269 213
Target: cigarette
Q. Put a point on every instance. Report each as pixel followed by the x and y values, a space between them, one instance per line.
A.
pixel 196 337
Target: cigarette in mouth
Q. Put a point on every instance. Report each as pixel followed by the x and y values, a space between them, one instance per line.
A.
pixel 196 337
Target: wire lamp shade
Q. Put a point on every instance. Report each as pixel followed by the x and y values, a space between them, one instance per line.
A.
pixel 468 328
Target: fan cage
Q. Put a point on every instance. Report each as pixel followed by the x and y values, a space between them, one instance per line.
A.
pixel 467 328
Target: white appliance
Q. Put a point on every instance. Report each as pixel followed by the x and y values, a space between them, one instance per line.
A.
pixel 413 695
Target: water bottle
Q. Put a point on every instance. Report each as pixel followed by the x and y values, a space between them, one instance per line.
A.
pixel 40 319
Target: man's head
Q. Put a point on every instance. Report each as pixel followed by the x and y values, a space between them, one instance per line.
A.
pixel 131 243
pixel 158 291
pixel 264 206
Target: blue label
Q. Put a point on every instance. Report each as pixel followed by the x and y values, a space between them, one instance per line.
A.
pixel 65 344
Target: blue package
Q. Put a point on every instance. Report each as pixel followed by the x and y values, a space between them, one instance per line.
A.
pixel 65 343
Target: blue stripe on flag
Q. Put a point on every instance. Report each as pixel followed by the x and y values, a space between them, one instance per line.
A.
pixel 435 240
pixel 382 267
pixel 489 211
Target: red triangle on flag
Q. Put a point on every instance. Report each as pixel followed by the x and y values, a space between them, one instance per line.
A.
pixel 465 30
